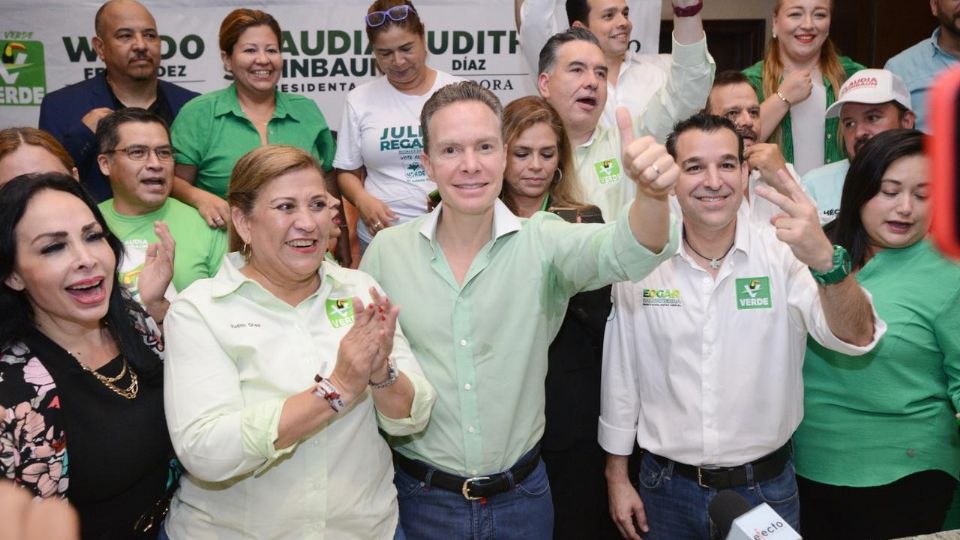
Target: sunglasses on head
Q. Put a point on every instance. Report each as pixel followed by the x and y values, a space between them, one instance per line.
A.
pixel 396 14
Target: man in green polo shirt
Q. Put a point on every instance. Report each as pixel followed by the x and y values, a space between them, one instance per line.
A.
pixel 483 294
pixel 135 153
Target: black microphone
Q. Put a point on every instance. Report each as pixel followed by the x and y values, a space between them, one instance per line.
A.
pixel 727 506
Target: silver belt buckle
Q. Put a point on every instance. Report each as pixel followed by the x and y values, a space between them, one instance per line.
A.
pixel 465 490
pixel 700 478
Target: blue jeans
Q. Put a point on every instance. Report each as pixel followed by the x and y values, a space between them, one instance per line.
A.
pixel 676 506
pixel 428 512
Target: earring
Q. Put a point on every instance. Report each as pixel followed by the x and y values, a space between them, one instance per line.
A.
pixel 245 251
pixel 774 34
pixel 557 178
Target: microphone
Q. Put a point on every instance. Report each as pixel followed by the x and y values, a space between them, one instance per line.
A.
pixel 735 520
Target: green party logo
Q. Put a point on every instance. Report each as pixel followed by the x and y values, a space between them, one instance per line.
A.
pixel 608 170
pixel 23 80
pixel 340 312
pixel 753 293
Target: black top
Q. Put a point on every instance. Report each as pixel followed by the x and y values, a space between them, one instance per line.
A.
pixel 119 449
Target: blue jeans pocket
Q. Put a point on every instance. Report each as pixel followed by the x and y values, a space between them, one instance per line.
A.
pixel 407 486
pixel 651 473
pixel 779 490
pixel 536 484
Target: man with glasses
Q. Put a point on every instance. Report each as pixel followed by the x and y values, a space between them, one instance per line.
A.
pixel 128 42
pixel 135 154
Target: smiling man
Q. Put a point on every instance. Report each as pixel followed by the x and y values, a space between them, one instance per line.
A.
pixel 128 42
pixel 702 358
pixel 871 101
pixel 483 295
pixel 135 154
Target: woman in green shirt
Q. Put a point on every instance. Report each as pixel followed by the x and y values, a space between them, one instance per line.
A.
pixel 213 131
pixel 877 454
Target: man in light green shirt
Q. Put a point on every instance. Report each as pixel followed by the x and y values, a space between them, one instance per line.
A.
pixel 573 79
pixel 483 294
pixel 135 154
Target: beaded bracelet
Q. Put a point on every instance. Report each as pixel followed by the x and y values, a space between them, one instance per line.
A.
pixel 392 376
pixel 783 99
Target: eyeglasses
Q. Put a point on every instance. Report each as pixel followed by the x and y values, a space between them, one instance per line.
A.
pixel 140 152
pixel 396 14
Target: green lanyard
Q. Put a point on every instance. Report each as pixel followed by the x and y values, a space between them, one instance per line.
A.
pixel 546 203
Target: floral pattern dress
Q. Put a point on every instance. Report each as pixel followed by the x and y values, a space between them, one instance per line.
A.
pixel 33 442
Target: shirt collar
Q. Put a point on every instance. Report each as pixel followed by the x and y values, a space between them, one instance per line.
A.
pixel 230 279
pixel 229 103
pixel 741 236
pixel 504 222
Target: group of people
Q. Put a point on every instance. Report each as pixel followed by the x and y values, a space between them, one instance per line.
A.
pixel 579 315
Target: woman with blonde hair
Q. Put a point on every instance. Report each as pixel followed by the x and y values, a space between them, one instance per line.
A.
pixel 798 78
pixel 26 150
pixel 280 371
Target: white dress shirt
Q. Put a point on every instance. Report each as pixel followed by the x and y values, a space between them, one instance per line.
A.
pixel 708 372
pixel 235 353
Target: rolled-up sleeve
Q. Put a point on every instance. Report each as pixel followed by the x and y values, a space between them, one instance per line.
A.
pixel 423 392
pixel 214 434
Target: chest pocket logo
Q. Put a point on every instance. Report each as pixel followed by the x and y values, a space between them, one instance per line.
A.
pixel 753 293
pixel 607 170
pixel 340 312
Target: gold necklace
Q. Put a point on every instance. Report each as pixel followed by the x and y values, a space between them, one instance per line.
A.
pixel 129 392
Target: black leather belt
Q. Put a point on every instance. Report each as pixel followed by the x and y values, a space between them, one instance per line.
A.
pixel 473 488
pixel 765 468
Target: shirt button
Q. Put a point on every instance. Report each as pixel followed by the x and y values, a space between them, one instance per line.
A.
pixel 911 452
pixel 460 300
pixel 829 135
pixel 467 386
pixel 473 472
pixel 470 429
pixel 463 343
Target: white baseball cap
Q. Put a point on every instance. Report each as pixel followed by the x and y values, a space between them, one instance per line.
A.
pixel 871 86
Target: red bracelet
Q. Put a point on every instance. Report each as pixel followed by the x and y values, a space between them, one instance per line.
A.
pixel 688 11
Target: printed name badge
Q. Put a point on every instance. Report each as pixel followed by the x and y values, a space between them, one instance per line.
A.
pixel 608 170
pixel 340 312
pixel 661 297
pixel 753 293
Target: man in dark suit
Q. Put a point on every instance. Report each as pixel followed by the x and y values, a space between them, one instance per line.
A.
pixel 128 43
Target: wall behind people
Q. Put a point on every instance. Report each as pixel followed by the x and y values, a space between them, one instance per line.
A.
pixel 740 9
pixel 46 46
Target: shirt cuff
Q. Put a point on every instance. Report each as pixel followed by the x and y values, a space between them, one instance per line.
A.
pixel 423 397
pixel 615 440
pixel 832 342
pixel 259 428
pixel 691 54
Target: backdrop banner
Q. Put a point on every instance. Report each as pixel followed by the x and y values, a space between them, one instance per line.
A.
pixel 47 45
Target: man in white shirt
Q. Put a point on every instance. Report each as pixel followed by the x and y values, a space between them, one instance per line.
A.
pixel 733 98
pixel 660 89
pixel 871 101
pixel 702 358
pixel 573 79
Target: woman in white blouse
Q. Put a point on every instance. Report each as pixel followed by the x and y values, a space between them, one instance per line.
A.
pixel 280 370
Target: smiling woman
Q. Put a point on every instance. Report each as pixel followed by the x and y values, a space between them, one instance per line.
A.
pixel 279 376
pixel 80 365
pixel 797 80
pixel 214 130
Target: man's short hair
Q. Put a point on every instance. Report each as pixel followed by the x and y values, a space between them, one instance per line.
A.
pixel 707 123
pixel 454 93
pixel 578 11
pixel 108 130
pixel 727 77
pixel 548 54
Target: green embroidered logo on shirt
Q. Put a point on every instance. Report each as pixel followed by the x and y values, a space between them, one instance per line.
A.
pixel 661 297
pixel 753 293
pixel 340 312
pixel 608 170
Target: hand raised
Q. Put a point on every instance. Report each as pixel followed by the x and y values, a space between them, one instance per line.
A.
pixel 645 161
pixel 766 158
pixel 799 225
pixel 357 352
pixel 158 267
pixel 387 314
pixel 796 86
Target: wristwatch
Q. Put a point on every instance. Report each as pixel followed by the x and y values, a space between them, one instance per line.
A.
pixel 392 376
pixel 840 270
